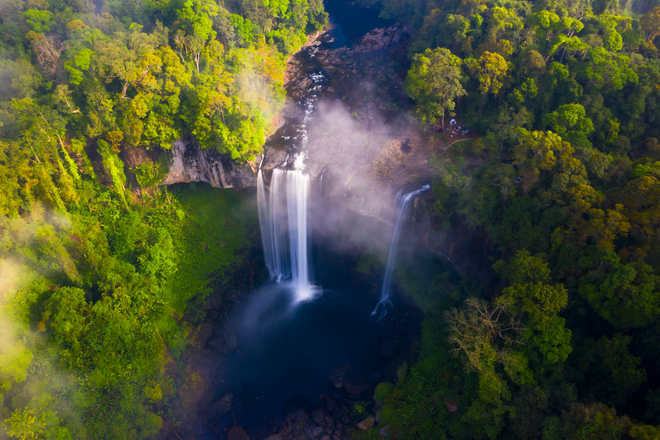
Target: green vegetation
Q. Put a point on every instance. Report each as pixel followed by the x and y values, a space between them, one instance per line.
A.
pixel 562 342
pixel 99 281
pixel 92 300
pixel 145 74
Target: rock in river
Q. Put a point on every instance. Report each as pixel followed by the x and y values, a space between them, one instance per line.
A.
pixel 339 375
pixel 223 405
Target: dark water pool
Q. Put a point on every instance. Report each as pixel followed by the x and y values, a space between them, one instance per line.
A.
pixel 288 350
pixel 351 22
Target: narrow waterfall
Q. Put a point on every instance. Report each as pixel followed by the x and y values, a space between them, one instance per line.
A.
pixel 403 204
pixel 284 229
pixel 264 225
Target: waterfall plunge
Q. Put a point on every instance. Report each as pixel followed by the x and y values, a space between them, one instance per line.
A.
pixel 284 229
pixel 404 203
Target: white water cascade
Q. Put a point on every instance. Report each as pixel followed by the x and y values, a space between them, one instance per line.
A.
pixel 403 204
pixel 285 230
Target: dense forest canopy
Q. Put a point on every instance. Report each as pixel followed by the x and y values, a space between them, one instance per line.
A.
pixel 563 343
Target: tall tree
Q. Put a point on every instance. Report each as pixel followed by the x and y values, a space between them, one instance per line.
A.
pixel 434 82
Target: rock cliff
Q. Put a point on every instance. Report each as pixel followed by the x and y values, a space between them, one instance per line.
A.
pixel 360 145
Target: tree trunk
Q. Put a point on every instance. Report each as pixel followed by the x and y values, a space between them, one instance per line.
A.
pixel 562 55
pixel 481 106
pixel 442 112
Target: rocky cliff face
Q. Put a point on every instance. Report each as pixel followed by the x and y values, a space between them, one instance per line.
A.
pixel 190 163
pixel 359 146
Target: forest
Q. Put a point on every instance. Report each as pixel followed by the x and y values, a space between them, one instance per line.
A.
pixel 562 342
pixel 99 279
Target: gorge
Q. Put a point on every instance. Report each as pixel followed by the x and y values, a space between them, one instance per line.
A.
pixel 325 194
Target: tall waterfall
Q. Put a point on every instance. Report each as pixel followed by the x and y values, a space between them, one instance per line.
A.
pixel 403 204
pixel 284 229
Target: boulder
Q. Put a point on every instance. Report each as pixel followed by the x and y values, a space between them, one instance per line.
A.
pixel 274 437
pixel 213 302
pixel 317 431
pixel 366 423
pixel 295 410
pixel 332 404
pixel 339 375
pixel 223 405
pixel 318 415
pixel 219 344
pixel 204 332
pixel 356 386
pixel 326 437
pixel 385 429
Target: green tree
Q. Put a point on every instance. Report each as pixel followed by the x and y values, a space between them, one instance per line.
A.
pixel 626 295
pixel 489 70
pixel 434 83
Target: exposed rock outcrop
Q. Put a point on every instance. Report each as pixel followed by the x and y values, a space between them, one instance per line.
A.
pixel 190 163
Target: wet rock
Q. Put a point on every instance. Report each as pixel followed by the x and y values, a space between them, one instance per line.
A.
pixel 339 375
pixel 237 433
pixel 213 302
pixel 204 332
pixel 385 429
pixel 356 386
pixel 192 391
pixel 388 348
pixel 219 344
pixel 318 415
pixel 223 405
pixel 332 404
pixel 317 431
pixel 366 423
pixel 207 362
pixel 295 410
pixel 207 398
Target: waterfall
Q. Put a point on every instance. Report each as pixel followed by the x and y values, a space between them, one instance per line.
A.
pixel 264 225
pixel 297 195
pixel 284 229
pixel 403 205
